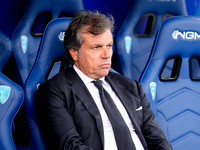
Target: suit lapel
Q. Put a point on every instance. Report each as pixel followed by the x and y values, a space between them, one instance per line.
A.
pixel 123 95
pixel 128 101
pixel 84 95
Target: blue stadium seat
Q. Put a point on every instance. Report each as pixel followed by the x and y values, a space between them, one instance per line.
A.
pixel 51 50
pixel 192 7
pixel 11 98
pixel 5 49
pixel 27 35
pixel 171 81
pixel 136 35
pixel 196 9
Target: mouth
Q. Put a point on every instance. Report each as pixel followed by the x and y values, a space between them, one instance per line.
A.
pixel 105 65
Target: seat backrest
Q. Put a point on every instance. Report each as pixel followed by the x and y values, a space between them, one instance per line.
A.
pixel 50 50
pixel 11 98
pixel 196 9
pixel 192 6
pixel 171 81
pixel 5 49
pixel 135 37
pixel 27 35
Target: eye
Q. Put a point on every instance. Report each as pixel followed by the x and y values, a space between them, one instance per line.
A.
pixel 109 46
pixel 94 47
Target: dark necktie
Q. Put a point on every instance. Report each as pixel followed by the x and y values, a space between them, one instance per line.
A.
pixel 121 131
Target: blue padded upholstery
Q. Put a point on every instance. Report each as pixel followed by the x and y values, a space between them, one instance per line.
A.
pixel 174 94
pixel 197 8
pixel 51 48
pixel 5 49
pixel 134 42
pixel 27 35
pixel 11 98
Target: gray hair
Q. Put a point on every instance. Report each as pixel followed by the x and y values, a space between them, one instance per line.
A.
pixel 96 24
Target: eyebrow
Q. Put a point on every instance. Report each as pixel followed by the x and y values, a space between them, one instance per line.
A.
pixel 100 45
pixel 96 45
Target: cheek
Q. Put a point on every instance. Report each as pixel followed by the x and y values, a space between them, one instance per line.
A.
pixel 88 62
pixel 91 59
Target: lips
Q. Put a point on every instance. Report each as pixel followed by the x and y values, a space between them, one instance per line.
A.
pixel 106 65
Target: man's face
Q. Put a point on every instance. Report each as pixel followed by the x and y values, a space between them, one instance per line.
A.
pixel 94 56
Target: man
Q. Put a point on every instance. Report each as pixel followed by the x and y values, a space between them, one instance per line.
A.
pixel 71 111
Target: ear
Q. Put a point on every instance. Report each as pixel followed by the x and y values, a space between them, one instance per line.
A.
pixel 74 53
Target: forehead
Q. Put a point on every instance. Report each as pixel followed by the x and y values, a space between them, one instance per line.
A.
pixel 105 36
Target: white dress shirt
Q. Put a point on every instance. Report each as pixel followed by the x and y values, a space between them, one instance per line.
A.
pixel 109 139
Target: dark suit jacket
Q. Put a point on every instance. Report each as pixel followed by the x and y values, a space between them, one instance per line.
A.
pixel 69 118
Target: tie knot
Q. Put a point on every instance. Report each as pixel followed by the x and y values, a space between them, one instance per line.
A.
pixel 98 83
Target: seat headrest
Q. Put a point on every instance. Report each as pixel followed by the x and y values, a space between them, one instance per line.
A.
pixel 55 7
pixel 177 39
pixel 136 35
pixel 178 35
pixel 52 42
pixel 146 6
pixel 26 37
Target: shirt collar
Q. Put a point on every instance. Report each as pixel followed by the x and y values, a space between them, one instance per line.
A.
pixel 85 78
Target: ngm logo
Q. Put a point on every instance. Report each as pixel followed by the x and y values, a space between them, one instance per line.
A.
pixel 186 35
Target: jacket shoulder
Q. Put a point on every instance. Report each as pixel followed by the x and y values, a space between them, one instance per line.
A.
pixel 130 85
pixel 122 79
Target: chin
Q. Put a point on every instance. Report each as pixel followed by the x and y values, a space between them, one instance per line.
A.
pixel 104 73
